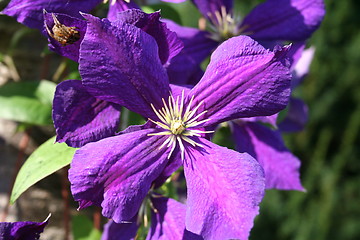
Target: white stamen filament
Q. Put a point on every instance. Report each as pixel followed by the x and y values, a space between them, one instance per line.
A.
pixel 225 24
pixel 176 123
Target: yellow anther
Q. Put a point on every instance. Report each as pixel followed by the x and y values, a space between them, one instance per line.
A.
pixel 177 124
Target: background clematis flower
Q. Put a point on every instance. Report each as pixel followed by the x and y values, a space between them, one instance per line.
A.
pixel 120 64
pixel 269 22
pixel 21 230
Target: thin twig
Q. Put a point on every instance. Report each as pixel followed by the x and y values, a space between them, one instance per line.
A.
pixel 97 218
pixel 8 60
pixel 65 197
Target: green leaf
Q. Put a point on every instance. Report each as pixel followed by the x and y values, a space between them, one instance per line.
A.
pixel 28 102
pixel 45 160
pixel 83 228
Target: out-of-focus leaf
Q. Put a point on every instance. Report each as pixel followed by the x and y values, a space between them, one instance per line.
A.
pixel 83 229
pixel 45 160
pixel 28 102
pixel 223 137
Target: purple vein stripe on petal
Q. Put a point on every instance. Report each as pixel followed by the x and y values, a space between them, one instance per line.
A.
pixel 224 191
pixel 281 167
pixel 293 20
pixel 168 42
pixel 121 65
pixel 80 118
pixel 30 12
pixel 117 172
pixel 243 79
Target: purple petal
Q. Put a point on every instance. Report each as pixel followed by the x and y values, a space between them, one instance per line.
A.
pixel 295 53
pixel 176 90
pixel 115 7
pixel 197 47
pixel 117 172
pixel 30 12
pixel 293 20
pixel 280 165
pixel 79 118
pixel 21 230
pixel 173 164
pixel 224 191
pixel 169 221
pixel 268 120
pixel 70 51
pixel 168 42
pixel 302 66
pixel 245 81
pixel 123 231
pixel 296 117
pixel 209 8
pixel 197 44
pixel 121 65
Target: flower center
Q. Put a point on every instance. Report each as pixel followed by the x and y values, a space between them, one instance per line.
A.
pixel 178 123
pixel 224 25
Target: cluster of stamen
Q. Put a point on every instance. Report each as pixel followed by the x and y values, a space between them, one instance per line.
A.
pixel 225 24
pixel 177 121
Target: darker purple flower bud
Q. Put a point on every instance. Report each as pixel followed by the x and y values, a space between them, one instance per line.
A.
pixel 21 230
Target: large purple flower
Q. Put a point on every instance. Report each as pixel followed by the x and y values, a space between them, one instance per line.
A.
pixel 21 230
pixel 120 64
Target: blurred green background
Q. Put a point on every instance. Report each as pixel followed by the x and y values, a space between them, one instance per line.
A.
pixel 329 147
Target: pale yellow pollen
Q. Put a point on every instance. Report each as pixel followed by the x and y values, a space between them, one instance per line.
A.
pixel 225 24
pixel 177 123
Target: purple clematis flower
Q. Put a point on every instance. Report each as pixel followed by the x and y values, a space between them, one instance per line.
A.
pixel 269 22
pixel 21 230
pixel 120 64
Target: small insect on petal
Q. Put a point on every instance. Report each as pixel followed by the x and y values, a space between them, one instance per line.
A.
pixel 61 33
